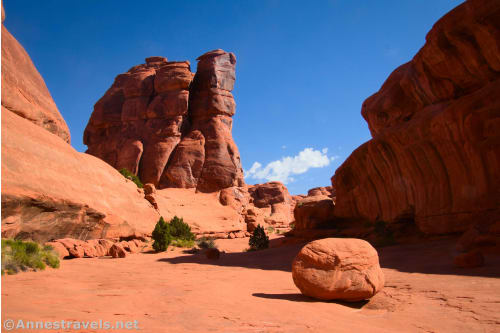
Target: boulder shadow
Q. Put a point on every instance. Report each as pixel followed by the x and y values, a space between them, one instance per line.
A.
pixel 298 297
pixel 279 258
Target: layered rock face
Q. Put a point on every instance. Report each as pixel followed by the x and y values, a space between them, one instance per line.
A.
pixel 435 153
pixel 169 126
pixel 23 90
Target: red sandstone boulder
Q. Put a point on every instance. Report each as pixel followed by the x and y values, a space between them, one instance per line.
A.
pixel 469 260
pixel 264 195
pixel 213 254
pixel 314 212
pixel 435 148
pixel 169 126
pixel 24 91
pixel 338 268
pixel 61 250
pixel 117 251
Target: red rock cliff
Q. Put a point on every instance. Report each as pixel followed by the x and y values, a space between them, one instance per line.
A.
pixel 169 126
pixel 23 90
pixel 435 152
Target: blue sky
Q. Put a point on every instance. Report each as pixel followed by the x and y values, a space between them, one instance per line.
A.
pixel 303 67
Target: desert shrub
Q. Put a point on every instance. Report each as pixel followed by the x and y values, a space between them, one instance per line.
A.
pixel 270 230
pixel 129 175
pixel 161 236
pixel 292 225
pixel 183 243
pixel 259 240
pixel 176 232
pixel 180 230
pixel 22 256
pixel 206 243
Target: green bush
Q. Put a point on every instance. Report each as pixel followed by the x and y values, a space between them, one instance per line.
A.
pixel 259 239
pixel 271 230
pixel 129 175
pixel 177 232
pixel 18 255
pixel 161 236
pixel 206 243
pixel 180 230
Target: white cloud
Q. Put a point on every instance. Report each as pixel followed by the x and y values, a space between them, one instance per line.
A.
pixel 282 170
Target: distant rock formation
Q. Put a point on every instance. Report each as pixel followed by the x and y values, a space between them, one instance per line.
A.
pixel 23 90
pixel 435 153
pixel 170 126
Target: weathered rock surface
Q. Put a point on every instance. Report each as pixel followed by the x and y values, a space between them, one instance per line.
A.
pixel 51 191
pixel 329 191
pixel 338 268
pixel 24 91
pixel 170 126
pixel 117 251
pixel 435 153
pixel 314 212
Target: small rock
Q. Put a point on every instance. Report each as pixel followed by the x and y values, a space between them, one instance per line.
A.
pixel 212 254
pixel 149 189
pixel 117 251
pixel 59 248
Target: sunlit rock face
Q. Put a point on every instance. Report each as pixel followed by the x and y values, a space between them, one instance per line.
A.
pixel 170 126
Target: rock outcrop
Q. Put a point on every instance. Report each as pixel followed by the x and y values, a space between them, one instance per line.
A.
pixel 314 212
pixel 170 126
pixel 338 268
pixel 51 191
pixel 24 91
pixel 435 153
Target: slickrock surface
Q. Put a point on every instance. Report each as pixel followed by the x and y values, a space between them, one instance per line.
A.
pixel 24 91
pixel 435 152
pixel 170 126
pixel 254 292
pixel 51 191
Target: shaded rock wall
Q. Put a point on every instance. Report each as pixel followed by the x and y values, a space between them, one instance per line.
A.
pixel 170 126
pixel 435 153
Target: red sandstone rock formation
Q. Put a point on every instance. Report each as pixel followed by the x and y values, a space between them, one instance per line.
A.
pixel 314 212
pixel 338 268
pixel 23 90
pixel 329 191
pixel 51 191
pixel 169 126
pixel 435 152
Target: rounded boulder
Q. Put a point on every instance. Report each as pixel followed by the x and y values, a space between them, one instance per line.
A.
pixel 338 269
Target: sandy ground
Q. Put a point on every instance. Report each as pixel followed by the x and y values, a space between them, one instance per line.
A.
pixel 254 292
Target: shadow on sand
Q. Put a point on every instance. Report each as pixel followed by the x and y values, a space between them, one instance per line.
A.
pixel 430 257
pixel 301 298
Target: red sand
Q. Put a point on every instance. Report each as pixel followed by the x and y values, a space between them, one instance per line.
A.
pixel 254 292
